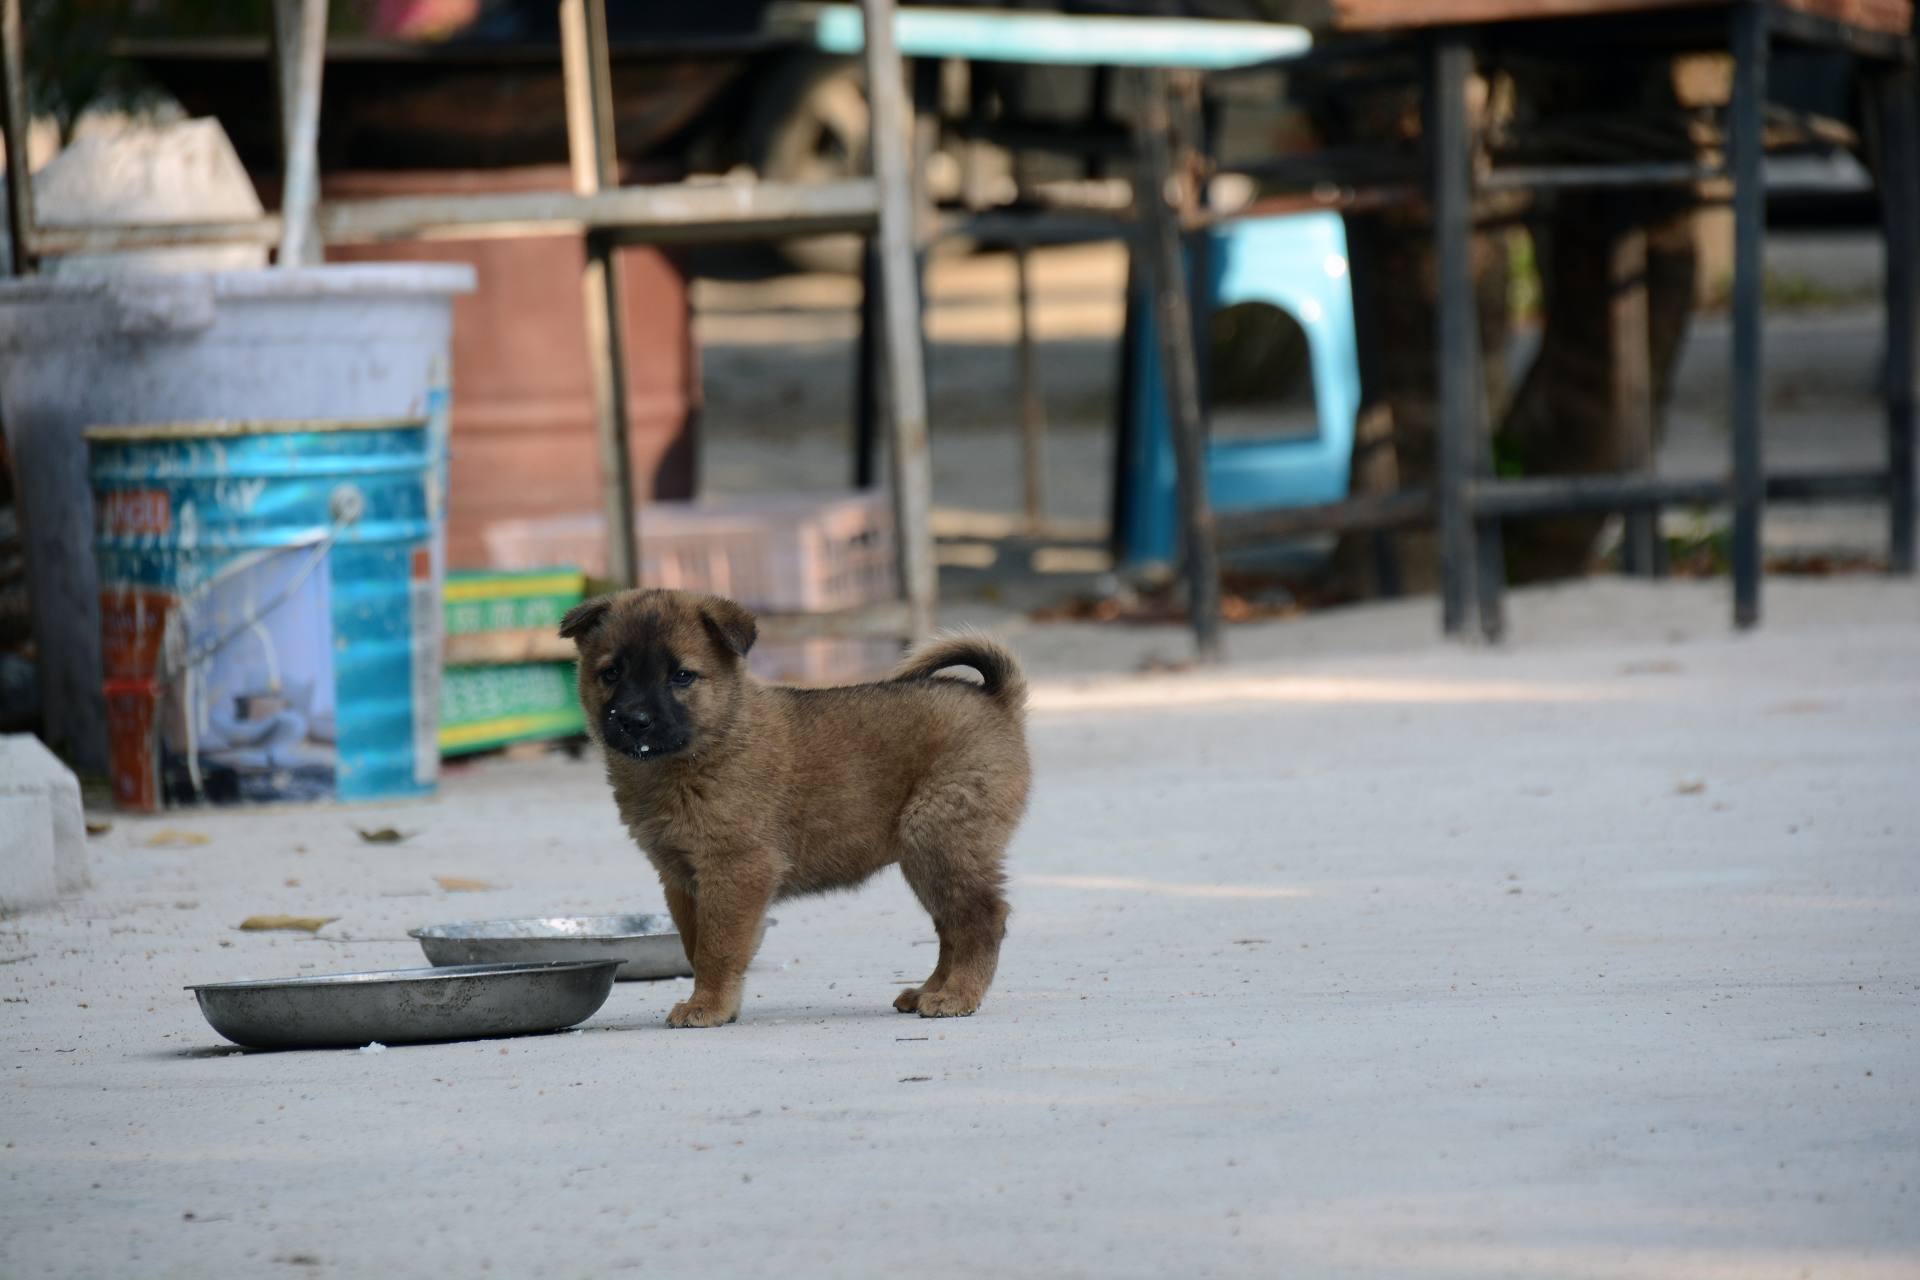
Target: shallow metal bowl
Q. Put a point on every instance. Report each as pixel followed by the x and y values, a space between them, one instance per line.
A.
pixel 406 1006
pixel 646 945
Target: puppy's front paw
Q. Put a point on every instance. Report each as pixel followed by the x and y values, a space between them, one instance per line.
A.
pixel 907 1001
pixel 698 1012
pixel 946 1004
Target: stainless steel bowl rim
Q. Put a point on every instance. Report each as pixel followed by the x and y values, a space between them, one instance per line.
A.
pixel 391 977
pixel 496 930
pixel 478 930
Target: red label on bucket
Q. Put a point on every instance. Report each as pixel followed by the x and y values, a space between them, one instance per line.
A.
pixel 132 732
pixel 134 513
pixel 133 625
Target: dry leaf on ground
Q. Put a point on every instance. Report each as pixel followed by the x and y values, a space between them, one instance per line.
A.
pixel 170 836
pixel 301 924
pixel 385 835
pixel 460 884
pixel 1689 788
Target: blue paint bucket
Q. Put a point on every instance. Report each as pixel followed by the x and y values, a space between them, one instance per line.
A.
pixel 270 612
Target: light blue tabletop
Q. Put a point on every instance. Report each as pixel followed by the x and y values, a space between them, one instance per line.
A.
pixel 993 35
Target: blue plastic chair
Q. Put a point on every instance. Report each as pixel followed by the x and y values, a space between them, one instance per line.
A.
pixel 1297 262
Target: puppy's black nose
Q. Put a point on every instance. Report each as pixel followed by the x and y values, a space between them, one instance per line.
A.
pixel 633 721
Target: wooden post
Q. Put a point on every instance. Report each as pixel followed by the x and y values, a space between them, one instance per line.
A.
pixel 899 313
pixel 1173 325
pixel 13 102
pixel 1746 115
pixel 1631 366
pixel 300 45
pixel 587 65
pixel 1033 411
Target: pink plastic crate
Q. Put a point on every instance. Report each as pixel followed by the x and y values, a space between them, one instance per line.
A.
pixel 785 553
pixel 823 662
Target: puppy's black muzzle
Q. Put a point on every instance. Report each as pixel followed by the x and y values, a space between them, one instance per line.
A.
pixel 641 734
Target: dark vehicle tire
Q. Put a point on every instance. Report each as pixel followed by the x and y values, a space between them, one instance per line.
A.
pixel 810 125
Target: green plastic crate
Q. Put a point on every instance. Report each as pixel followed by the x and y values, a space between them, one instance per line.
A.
pixel 491 705
pixel 524 601
pixel 483 707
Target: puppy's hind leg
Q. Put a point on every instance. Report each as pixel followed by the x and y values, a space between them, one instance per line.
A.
pixel 975 918
pixel 908 1001
pixel 951 848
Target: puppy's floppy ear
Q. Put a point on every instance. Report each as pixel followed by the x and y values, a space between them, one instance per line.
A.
pixel 583 618
pixel 729 624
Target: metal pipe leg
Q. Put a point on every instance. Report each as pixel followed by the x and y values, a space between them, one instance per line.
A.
pixel 1120 506
pixel 13 105
pixel 868 372
pixel 1033 412
pixel 300 34
pixel 1744 152
pixel 1900 217
pixel 1490 555
pixel 1630 362
pixel 1456 333
pixel 1173 324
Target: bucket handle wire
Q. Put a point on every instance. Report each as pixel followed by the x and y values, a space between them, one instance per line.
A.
pixel 346 505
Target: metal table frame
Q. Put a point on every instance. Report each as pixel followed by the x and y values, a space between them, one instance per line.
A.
pixel 1468 503
pixel 1471 503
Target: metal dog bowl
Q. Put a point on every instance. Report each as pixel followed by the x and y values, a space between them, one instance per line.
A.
pixel 645 945
pixel 406 1006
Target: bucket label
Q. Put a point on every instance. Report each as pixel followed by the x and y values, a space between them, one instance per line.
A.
pixel 233 680
pixel 270 616
pixel 134 513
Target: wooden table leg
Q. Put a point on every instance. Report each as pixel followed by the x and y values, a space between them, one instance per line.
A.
pixel 900 328
pixel 587 70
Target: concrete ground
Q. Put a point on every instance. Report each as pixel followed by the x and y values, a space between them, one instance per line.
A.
pixel 1593 956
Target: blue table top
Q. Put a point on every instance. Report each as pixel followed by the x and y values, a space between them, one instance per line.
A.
pixel 989 35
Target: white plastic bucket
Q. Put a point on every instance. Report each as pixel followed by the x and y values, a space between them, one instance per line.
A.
pixel 353 341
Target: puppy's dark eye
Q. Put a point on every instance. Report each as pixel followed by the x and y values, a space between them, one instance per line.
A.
pixel 682 678
pixel 610 676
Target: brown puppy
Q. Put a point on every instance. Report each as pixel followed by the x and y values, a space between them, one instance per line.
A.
pixel 742 793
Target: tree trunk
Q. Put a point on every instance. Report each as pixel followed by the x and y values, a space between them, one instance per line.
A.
pixel 1596 384
pixel 1576 409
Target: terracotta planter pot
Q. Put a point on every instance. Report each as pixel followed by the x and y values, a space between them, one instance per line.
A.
pixel 523 438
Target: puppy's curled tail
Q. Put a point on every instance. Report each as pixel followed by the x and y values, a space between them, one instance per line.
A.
pixel 1000 675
